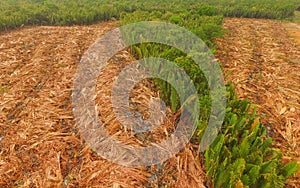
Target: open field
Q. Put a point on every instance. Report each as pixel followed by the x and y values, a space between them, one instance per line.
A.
pixel 44 148
pixel 40 145
pixel 257 145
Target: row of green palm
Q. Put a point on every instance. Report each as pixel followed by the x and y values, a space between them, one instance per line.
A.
pixel 271 9
pixel 14 13
pixel 241 155
pixel 55 13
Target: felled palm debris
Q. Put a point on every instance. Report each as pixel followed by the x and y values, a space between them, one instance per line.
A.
pixel 40 145
pixel 264 63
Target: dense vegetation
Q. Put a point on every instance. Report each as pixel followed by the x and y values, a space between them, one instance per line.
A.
pixel 15 13
pixel 242 155
pixel 272 9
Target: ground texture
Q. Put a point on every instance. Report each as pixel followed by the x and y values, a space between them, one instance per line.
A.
pixel 40 145
pixel 262 59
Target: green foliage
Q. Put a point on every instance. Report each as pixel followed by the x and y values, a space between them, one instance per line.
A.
pixel 272 9
pixel 208 28
pixel 176 19
pixel 242 156
pixel 295 18
pixel 207 10
pixel 14 13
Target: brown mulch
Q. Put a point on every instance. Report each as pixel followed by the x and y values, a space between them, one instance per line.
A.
pixel 294 32
pixel 40 145
pixel 264 64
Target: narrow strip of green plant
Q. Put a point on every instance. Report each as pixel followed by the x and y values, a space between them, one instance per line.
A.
pixel 241 155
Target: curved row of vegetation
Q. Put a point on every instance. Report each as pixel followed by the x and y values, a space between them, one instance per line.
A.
pixel 241 155
pixel 15 13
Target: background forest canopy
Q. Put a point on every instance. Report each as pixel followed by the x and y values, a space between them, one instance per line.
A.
pixel 15 13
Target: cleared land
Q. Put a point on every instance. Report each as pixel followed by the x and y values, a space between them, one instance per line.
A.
pixel 42 147
pixel 294 32
pixel 264 63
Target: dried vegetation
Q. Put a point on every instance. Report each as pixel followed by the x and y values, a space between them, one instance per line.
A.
pixel 264 63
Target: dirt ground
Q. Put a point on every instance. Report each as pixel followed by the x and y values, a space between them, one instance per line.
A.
pixel 40 143
pixel 41 146
pixel 263 62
